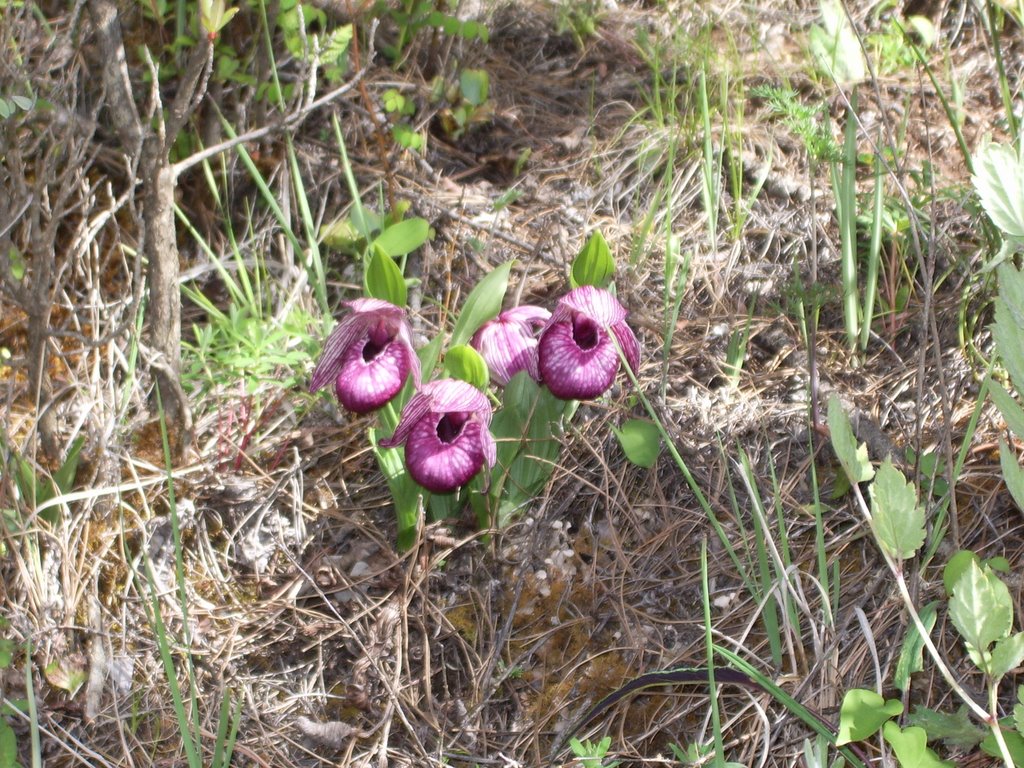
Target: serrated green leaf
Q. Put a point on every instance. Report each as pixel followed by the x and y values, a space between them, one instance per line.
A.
pixel 594 264
pixel 896 518
pixel 404 237
pixel 980 609
pixel 1007 655
pixel 640 441
pixel 999 180
pixel 1008 407
pixel 911 747
pixel 384 279
pixel 852 458
pixel 953 729
pixel 482 304
pixel 911 655
pixel 465 363
pixel 862 714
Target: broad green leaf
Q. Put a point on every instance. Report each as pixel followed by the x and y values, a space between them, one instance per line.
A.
pixel 835 45
pixel 64 478
pixel 1008 407
pixel 404 237
pixel 955 568
pixel 641 441
pixel 6 109
pixel 482 304
pixel 1013 475
pixel 953 729
pixel 862 714
pixel 474 85
pixel 911 747
pixel 896 517
pixel 384 279
pixel 405 493
pixel 981 610
pixel 594 264
pixel 1007 655
pixel 465 363
pixel 911 655
pixel 1007 334
pixel 999 180
pixel 852 457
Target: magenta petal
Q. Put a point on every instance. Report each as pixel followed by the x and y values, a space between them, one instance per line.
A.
pixel 596 303
pixel 364 386
pixel 629 345
pixel 441 466
pixel 572 373
pixel 527 314
pixel 415 410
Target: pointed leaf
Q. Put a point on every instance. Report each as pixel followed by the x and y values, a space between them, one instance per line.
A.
pixel 955 568
pixel 482 304
pixel 853 458
pixel 1013 475
pixel 911 655
pixel 862 714
pixel 594 265
pixel 1007 655
pixel 1008 407
pixel 384 279
pixel 896 518
pixel 981 608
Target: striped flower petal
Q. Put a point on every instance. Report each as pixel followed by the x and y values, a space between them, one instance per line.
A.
pixel 577 358
pixel 508 343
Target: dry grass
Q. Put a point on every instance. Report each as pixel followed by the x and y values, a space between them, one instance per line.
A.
pixel 467 651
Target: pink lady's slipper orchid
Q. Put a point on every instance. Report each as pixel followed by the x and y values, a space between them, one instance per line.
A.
pixel 445 428
pixel 576 355
pixel 368 356
pixel 509 342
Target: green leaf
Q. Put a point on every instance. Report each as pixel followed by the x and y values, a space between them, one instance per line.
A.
pixel 1014 744
pixel 1013 475
pixel 955 730
pixel 404 237
pixel 911 655
pixel 482 304
pixel 955 568
pixel 1008 407
pixel 64 478
pixel 474 85
pixel 835 45
pixel 465 363
pixel 384 279
pixel 7 109
pixel 981 610
pixel 896 518
pixel 911 747
pixel 852 457
pixel 641 441
pixel 8 746
pixel 1007 655
pixel 1007 334
pixel 862 714
pixel 999 180
pixel 594 264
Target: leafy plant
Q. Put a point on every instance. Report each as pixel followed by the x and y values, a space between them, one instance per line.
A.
pixel 8 738
pixel 591 755
pixel 469 105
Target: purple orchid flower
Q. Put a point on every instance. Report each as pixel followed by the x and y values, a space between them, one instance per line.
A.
pixel 368 356
pixel 576 356
pixel 445 428
pixel 509 342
